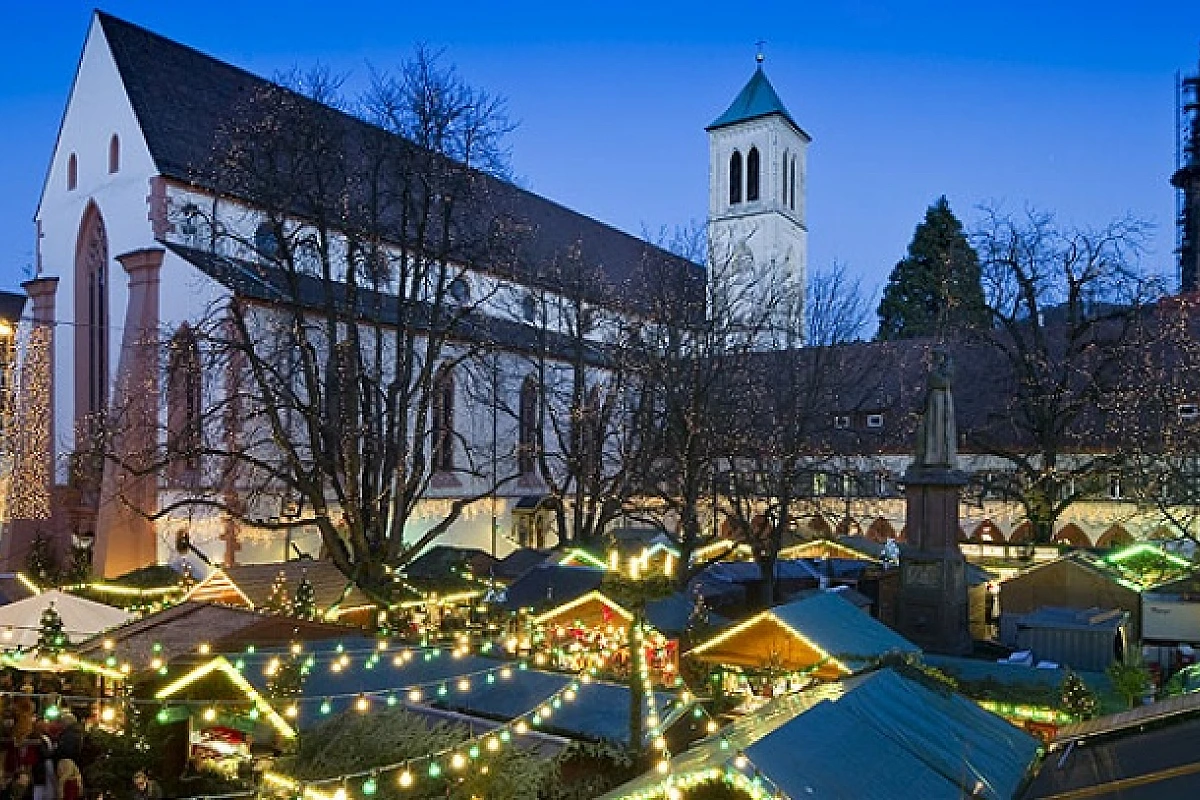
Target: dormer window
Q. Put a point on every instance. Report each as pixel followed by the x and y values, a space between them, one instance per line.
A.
pixel 460 292
pixel 265 242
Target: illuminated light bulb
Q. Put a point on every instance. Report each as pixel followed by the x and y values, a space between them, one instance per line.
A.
pixel 536 719
pixel 381 645
pixel 491 677
pixel 434 769
pixel 569 695
pixel 205 648
pixel 362 704
pixel 210 714
pixel 344 661
pixel 109 644
pixel 556 702
pixel 414 695
pixel 492 744
pixel 253 713
pixel 336 666
pixel 673 793
pixel 370 785
pixel 398 661
pixel 506 673
pixel 392 700
pixel 163 715
pixel 111 661
pixel 545 711
pixel 406 779
pixel 540 659
pixel 442 690
pixel 473 752
pixel 250 649
pixel 291 712
pixel 464 685
pixel 660 743
pixel 510 645
pixel 458 761
pixel 341 648
pixel 340 794
pixel 296 648
pixel 505 735
pixel 156 663
pixel 740 761
pixel 664 767
pixel 156 647
pixel 108 714
pixel 126 668
pixel 325 706
pixel 521 727
pixel 712 726
pixel 52 712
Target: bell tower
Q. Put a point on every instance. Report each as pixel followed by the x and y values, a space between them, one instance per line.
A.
pixel 756 201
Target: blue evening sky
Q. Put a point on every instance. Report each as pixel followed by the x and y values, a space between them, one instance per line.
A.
pixel 1066 106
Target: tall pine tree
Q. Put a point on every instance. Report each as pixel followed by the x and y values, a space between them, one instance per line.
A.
pixel 936 288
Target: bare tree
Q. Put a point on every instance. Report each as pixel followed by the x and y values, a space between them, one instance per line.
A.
pixel 1067 307
pixel 785 451
pixel 335 370
pixel 694 364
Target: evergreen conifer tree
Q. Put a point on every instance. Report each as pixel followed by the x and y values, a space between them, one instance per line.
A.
pixel 936 287
pixel 277 601
pixel 51 638
pixel 304 605
pixel 1077 699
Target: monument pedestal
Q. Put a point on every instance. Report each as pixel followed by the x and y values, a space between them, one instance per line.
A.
pixel 932 611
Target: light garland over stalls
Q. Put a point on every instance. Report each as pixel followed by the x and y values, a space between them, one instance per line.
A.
pixel 448 761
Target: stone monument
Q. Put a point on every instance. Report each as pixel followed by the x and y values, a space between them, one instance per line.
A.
pixel 932 611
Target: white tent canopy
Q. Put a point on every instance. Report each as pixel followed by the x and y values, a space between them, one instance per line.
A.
pixel 21 621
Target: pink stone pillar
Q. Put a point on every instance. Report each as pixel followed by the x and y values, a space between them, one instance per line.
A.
pixel 125 538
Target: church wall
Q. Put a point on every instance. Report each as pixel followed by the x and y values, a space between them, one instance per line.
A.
pixel 97 108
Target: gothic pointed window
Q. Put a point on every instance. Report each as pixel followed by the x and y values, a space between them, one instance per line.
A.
pixel 783 192
pixel 752 175
pixel 72 172
pixel 114 154
pixel 91 318
pixel 183 406
pixel 735 178
pixel 443 421
pixel 527 426
pixel 265 242
pixel 792 187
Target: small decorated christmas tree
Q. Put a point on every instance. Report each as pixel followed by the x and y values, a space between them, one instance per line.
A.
pixel 285 677
pixel 305 604
pixel 51 639
pixel 277 601
pixel 1077 699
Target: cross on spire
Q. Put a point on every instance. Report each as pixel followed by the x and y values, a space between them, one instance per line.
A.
pixel 758 56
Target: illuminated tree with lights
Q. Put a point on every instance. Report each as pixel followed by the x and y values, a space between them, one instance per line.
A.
pixel 304 605
pixel 334 400
pixel 1077 699
pixel 285 677
pixel 1067 308
pixel 52 640
pixel 277 601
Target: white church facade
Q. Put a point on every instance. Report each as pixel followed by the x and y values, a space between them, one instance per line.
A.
pixel 136 245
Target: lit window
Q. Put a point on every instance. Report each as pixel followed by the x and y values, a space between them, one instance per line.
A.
pixel 874 420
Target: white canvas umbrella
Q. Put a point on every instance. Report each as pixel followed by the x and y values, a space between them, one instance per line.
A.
pixel 21 621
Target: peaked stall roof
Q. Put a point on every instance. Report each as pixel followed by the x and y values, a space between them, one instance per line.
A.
pixel 757 98
pixel 828 624
pixel 880 735
pixel 184 101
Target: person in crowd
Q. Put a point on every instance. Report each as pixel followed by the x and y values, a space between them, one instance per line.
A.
pixel 20 788
pixel 40 758
pixel 70 739
pixel 145 787
pixel 70 782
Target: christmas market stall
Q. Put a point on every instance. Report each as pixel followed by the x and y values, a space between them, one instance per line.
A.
pixel 279 587
pixel 591 633
pixel 882 734
pixel 821 636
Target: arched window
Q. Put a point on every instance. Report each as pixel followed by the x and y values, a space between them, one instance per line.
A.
pixel 735 178
pixel 460 290
pixel 443 421
pixel 792 188
pixel 114 154
pixel 72 172
pixel 527 426
pixel 783 192
pixel 752 175
pixel 183 406
pixel 91 320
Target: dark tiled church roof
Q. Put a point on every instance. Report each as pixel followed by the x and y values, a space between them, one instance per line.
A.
pixel 185 101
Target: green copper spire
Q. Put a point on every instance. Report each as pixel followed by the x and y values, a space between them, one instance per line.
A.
pixel 757 99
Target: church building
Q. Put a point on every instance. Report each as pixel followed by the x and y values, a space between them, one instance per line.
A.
pixel 143 233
